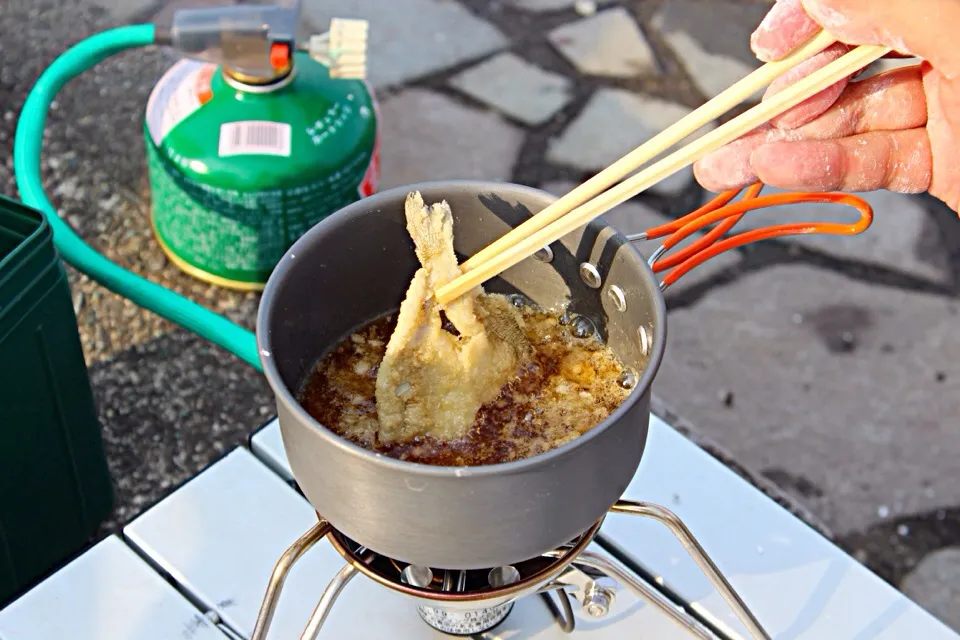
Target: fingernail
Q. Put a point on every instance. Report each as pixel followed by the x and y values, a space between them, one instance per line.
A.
pixel 785 27
pixel 716 182
pixel 766 43
pixel 726 168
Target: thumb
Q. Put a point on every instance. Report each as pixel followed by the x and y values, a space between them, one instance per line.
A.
pixel 928 33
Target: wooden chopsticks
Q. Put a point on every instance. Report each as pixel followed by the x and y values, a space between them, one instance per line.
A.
pixel 576 208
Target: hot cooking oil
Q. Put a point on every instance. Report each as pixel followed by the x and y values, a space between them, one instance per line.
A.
pixel 571 384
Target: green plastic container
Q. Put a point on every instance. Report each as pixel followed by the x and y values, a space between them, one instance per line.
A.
pixel 55 486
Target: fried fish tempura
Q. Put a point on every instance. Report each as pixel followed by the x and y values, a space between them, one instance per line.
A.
pixel 432 382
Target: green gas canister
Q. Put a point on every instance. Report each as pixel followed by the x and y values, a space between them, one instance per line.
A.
pixel 243 161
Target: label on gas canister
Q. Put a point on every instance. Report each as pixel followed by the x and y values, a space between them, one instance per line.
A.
pixel 256 137
pixel 299 162
pixel 181 91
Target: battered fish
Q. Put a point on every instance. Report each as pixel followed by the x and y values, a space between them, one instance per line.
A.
pixel 432 382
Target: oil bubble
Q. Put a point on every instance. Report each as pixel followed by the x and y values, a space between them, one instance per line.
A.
pixel 628 379
pixel 583 328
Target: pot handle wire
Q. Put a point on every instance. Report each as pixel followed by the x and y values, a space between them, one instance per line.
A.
pixel 728 215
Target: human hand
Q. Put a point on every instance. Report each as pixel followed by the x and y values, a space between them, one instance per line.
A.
pixel 899 130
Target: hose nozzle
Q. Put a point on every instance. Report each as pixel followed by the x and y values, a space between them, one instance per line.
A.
pixel 343 49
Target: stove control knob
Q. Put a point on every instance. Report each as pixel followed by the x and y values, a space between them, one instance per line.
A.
pixel 597 601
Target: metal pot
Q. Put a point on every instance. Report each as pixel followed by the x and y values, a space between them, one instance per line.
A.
pixel 355 266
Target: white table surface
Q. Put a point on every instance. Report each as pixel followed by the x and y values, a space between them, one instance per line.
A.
pixel 108 592
pixel 219 535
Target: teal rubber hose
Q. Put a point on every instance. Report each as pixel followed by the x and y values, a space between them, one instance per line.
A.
pixel 27 168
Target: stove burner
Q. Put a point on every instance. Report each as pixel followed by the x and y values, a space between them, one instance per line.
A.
pixel 462 623
pixel 477 586
pixel 466 602
pixel 465 592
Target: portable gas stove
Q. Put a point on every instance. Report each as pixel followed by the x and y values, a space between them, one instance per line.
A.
pixel 197 565
pixel 462 602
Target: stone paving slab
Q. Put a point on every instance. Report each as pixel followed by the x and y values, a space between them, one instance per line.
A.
pixel 428 136
pixel 936 583
pixel 847 391
pixel 516 88
pixel 412 38
pixel 712 39
pixel 613 123
pixel 608 43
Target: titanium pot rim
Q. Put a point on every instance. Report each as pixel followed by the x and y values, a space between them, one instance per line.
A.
pixel 279 387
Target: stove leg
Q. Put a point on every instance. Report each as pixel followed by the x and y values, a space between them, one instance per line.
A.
pixel 672 521
pixel 279 576
pixel 330 594
pixel 643 591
